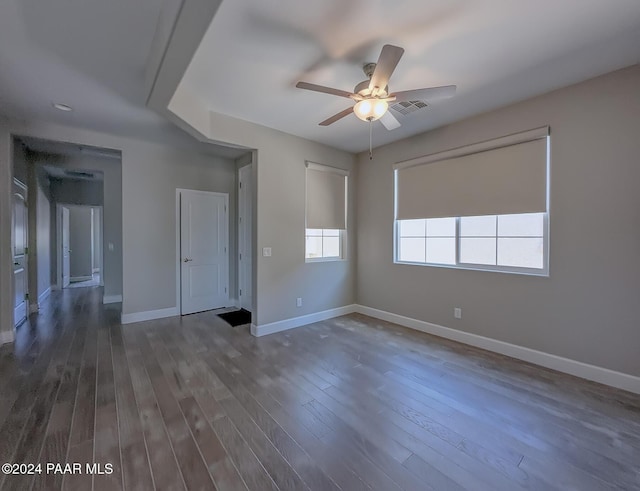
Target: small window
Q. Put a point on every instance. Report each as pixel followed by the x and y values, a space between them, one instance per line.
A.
pixel 326 212
pixel 323 243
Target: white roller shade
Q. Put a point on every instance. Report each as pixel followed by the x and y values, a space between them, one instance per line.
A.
pixel 326 197
pixel 503 176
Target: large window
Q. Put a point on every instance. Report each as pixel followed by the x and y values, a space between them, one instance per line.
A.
pixel 326 213
pixel 483 206
pixel 501 242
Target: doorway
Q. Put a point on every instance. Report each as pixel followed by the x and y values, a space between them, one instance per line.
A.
pixel 203 250
pixel 80 246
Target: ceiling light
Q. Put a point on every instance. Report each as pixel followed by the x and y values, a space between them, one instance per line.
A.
pixel 62 107
pixel 371 109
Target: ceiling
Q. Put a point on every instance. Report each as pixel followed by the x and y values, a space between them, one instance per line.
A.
pixel 495 51
pixel 89 54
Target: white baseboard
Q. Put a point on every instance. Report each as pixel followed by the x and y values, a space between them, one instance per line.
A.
pixel 303 320
pixel 149 315
pixel 111 299
pixel 566 365
pixel 76 279
pixel 44 295
pixel 7 337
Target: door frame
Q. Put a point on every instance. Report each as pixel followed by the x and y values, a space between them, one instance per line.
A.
pixel 245 241
pixel 23 187
pixel 179 241
pixel 59 273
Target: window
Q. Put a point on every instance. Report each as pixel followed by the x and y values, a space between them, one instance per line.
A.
pixel 326 212
pixel 323 243
pixel 501 242
pixel 483 206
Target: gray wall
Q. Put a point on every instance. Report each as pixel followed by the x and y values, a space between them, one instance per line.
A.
pixel 43 234
pixel 6 261
pixel 279 177
pixel 80 238
pixel 151 174
pixel 77 192
pixel 586 309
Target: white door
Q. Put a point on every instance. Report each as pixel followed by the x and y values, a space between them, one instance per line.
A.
pixel 244 238
pixel 204 256
pixel 66 253
pixel 19 255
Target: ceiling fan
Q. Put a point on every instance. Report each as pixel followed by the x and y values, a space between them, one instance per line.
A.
pixel 372 96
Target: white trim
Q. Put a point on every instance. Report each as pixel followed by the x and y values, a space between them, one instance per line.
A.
pixel 44 295
pixel 77 279
pixel 566 365
pixel 148 315
pixel 303 320
pixel 111 299
pixel 326 168
pixel 505 141
pixel 7 337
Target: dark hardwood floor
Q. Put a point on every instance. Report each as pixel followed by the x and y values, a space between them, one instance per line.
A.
pixel 347 404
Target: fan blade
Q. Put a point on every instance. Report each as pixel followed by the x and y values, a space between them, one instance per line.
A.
pixel 324 90
pixel 389 121
pixel 336 117
pixel 387 62
pixel 430 94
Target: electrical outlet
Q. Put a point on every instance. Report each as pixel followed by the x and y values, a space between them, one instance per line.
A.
pixel 266 251
pixel 457 312
pixel 299 302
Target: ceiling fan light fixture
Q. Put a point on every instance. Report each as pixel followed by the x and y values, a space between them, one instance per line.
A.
pixel 371 109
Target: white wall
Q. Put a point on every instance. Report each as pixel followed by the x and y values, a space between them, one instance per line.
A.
pixel 587 309
pixel 80 237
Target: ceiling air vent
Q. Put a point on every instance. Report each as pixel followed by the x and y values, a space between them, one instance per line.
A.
pixel 407 107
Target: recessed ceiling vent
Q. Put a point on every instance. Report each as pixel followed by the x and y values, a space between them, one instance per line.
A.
pixel 79 174
pixel 407 107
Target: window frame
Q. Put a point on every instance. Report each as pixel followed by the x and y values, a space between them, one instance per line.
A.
pixel 544 271
pixel 342 234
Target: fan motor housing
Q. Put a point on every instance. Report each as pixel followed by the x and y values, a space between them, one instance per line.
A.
pixel 363 88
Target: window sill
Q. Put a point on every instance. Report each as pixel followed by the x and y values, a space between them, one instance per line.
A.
pixel 489 269
pixel 324 259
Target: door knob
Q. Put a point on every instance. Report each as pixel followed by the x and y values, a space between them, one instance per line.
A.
pixel 186 260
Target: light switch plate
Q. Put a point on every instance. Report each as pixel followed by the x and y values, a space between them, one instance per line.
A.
pixel 266 251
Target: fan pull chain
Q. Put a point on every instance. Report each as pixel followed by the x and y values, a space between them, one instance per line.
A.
pixel 370 139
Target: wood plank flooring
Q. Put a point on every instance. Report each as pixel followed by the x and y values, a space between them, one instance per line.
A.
pixel 352 404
